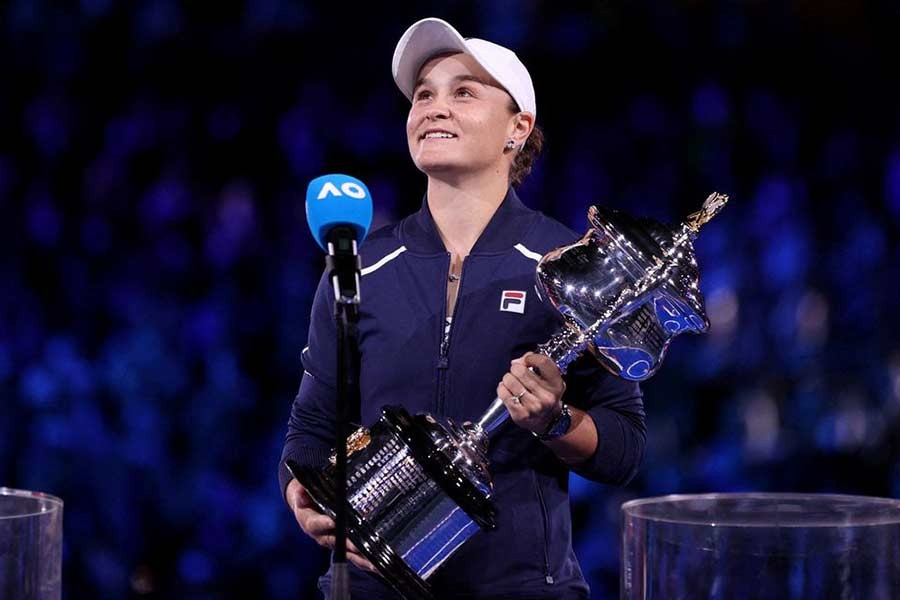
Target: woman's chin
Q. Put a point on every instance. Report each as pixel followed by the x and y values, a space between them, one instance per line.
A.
pixel 430 167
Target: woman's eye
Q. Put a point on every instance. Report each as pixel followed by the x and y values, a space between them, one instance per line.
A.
pixel 422 95
pixel 464 91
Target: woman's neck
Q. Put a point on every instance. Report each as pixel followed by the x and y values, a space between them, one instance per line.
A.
pixel 462 209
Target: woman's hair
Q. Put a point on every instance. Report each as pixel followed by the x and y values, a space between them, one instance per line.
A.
pixel 525 157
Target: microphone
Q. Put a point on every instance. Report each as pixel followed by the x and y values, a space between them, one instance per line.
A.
pixel 339 212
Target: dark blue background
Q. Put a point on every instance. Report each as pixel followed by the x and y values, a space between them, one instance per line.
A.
pixel 157 273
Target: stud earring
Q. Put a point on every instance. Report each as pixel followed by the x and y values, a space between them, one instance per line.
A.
pixel 510 145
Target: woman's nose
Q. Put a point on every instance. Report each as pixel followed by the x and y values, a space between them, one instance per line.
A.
pixel 438 109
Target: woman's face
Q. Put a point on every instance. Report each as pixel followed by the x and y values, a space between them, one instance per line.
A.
pixel 455 95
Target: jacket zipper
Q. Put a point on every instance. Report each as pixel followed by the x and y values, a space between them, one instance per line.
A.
pixel 446 335
pixel 548 577
pixel 443 345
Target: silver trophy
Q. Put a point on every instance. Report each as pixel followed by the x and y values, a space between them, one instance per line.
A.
pixel 418 488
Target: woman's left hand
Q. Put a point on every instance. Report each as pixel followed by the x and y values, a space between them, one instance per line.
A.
pixel 532 391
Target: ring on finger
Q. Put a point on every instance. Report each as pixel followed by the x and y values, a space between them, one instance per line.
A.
pixel 517 398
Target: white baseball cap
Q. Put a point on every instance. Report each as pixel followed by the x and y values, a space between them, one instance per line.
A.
pixel 432 36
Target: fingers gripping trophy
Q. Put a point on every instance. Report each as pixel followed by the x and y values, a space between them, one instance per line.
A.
pixel 419 487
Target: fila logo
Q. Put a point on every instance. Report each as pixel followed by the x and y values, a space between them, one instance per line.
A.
pixel 513 301
pixel 348 188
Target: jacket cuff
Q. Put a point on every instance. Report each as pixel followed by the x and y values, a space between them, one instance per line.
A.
pixel 606 463
pixel 307 456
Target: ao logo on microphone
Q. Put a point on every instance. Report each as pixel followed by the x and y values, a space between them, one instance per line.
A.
pixel 348 188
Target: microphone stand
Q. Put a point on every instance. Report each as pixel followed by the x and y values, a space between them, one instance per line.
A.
pixel 343 266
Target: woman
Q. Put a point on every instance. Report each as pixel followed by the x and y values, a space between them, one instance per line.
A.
pixel 450 307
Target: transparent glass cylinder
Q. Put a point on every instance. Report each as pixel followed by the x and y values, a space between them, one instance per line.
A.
pixel 761 546
pixel 31 537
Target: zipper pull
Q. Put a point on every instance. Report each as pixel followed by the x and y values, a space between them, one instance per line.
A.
pixel 549 579
pixel 443 362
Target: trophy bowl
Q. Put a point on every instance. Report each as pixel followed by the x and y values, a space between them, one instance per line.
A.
pixel 632 283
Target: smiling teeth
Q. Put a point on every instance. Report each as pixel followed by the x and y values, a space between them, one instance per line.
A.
pixel 439 135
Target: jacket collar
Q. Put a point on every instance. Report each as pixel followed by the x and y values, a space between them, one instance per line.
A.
pixel 507 227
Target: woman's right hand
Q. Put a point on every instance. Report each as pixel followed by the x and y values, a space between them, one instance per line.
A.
pixel 318 526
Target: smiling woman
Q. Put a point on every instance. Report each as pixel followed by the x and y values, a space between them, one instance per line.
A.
pixel 440 333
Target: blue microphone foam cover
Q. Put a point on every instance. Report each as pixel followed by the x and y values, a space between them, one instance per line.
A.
pixel 336 199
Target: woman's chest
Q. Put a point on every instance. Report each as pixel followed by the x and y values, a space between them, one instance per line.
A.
pixel 406 356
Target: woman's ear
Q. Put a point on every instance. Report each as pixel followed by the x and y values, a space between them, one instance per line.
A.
pixel 521 127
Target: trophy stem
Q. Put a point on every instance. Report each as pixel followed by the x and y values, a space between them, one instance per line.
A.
pixel 562 348
pixel 493 417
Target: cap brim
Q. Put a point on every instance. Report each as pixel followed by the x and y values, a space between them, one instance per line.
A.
pixel 421 41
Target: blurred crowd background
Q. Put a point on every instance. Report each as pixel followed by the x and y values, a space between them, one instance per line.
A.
pixel 157 271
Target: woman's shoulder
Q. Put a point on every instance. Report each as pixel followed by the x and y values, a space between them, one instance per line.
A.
pixel 385 234
pixel 548 233
pixel 380 246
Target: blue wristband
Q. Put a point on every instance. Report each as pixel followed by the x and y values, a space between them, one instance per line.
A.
pixel 559 427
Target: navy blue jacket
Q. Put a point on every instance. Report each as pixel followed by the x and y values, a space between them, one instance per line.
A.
pixel 403 293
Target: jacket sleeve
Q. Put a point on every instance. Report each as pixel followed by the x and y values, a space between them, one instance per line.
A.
pixel 616 406
pixel 310 432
